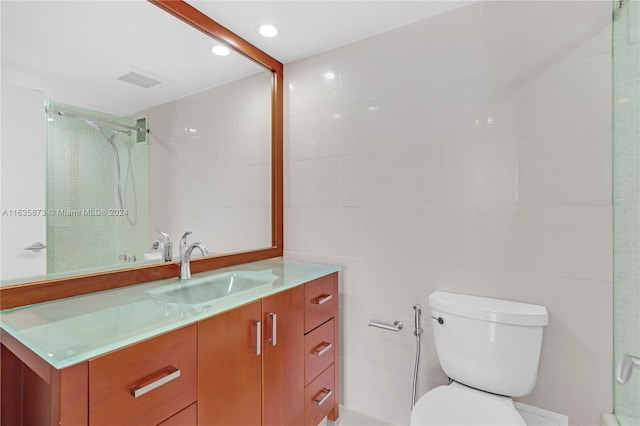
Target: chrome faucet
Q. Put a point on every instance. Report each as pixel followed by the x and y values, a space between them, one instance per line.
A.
pixel 165 243
pixel 185 255
pixel 184 243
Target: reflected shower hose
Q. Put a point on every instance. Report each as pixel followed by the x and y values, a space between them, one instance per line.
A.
pixel 417 332
pixel 116 155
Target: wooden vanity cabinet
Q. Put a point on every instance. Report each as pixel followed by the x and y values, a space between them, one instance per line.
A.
pixel 270 362
pixel 143 384
pixel 35 393
pixel 251 365
pixel 321 354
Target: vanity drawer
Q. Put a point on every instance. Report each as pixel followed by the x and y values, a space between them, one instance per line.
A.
pixel 186 417
pixel 319 350
pixel 319 397
pixel 320 301
pixel 145 383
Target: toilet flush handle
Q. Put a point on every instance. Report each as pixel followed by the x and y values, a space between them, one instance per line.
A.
pixel 439 319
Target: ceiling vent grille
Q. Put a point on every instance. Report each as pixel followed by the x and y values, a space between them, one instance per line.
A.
pixel 140 80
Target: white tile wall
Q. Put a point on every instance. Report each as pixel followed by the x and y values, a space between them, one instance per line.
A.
pixel 216 143
pixel 470 152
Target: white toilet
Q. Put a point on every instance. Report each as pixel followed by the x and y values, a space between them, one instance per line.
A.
pixel 489 349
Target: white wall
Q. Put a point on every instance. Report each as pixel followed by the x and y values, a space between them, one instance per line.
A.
pixel 23 154
pixel 469 153
pixel 210 166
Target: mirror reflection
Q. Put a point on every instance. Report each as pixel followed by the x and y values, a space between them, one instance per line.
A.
pixel 118 120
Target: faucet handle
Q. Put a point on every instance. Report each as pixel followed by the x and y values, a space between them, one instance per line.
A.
pixel 164 235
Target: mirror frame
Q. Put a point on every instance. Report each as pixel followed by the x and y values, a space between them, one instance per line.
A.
pixel 12 296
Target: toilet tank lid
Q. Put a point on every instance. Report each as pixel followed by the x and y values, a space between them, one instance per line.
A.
pixel 487 309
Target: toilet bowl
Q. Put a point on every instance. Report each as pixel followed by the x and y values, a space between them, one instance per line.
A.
pixel 456 404
pixel 490 350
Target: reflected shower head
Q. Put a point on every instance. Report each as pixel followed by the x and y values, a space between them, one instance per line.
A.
pixel 93 124
pixel 98 128
pixel 102 132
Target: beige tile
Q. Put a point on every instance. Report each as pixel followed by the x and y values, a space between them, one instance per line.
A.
pixel 326 133
pixel 573 384
pixel 313 183
pixel 380 393
pixel 324 230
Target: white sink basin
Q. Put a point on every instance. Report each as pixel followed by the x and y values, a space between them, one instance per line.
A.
pixel 198 291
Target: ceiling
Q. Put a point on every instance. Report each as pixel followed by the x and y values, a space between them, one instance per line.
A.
pixel 309 27
pixel 74 51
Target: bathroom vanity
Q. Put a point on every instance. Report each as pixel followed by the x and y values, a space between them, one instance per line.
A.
pixel 253 344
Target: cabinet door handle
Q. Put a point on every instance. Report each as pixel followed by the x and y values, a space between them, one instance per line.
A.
pixel 273 317
pixel 168 375
pixel 322 348
pixel 258 349
pixel 322 299
pixel 319 400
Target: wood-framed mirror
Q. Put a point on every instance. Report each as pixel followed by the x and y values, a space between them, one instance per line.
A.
pixel 73 284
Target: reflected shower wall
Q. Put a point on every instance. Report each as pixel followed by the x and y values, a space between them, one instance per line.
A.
pixel 87 224
pixel 626 201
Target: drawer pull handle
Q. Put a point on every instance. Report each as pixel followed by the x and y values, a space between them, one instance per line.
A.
pixel 327 393
pixel 322 348
pixel 273 317
pixel 258 349
pixel 322 299
pixel 170 374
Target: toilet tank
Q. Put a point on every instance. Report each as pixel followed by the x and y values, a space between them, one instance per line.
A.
pixel 489 344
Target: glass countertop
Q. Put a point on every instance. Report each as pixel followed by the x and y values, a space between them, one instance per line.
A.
pixel 69 331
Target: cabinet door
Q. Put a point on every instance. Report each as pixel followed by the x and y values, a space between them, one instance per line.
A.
pixel 283 323
pixel 230 367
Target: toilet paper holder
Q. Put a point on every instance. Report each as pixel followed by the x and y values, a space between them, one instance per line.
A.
pixel 396 326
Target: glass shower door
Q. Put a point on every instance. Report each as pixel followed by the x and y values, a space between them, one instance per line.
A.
pixel 626 201
pixel 97 190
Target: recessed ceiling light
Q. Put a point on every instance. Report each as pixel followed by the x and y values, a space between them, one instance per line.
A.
pixel 268 30
pixel 220 50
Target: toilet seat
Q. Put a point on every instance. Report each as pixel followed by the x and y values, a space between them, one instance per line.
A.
pixel 456 404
